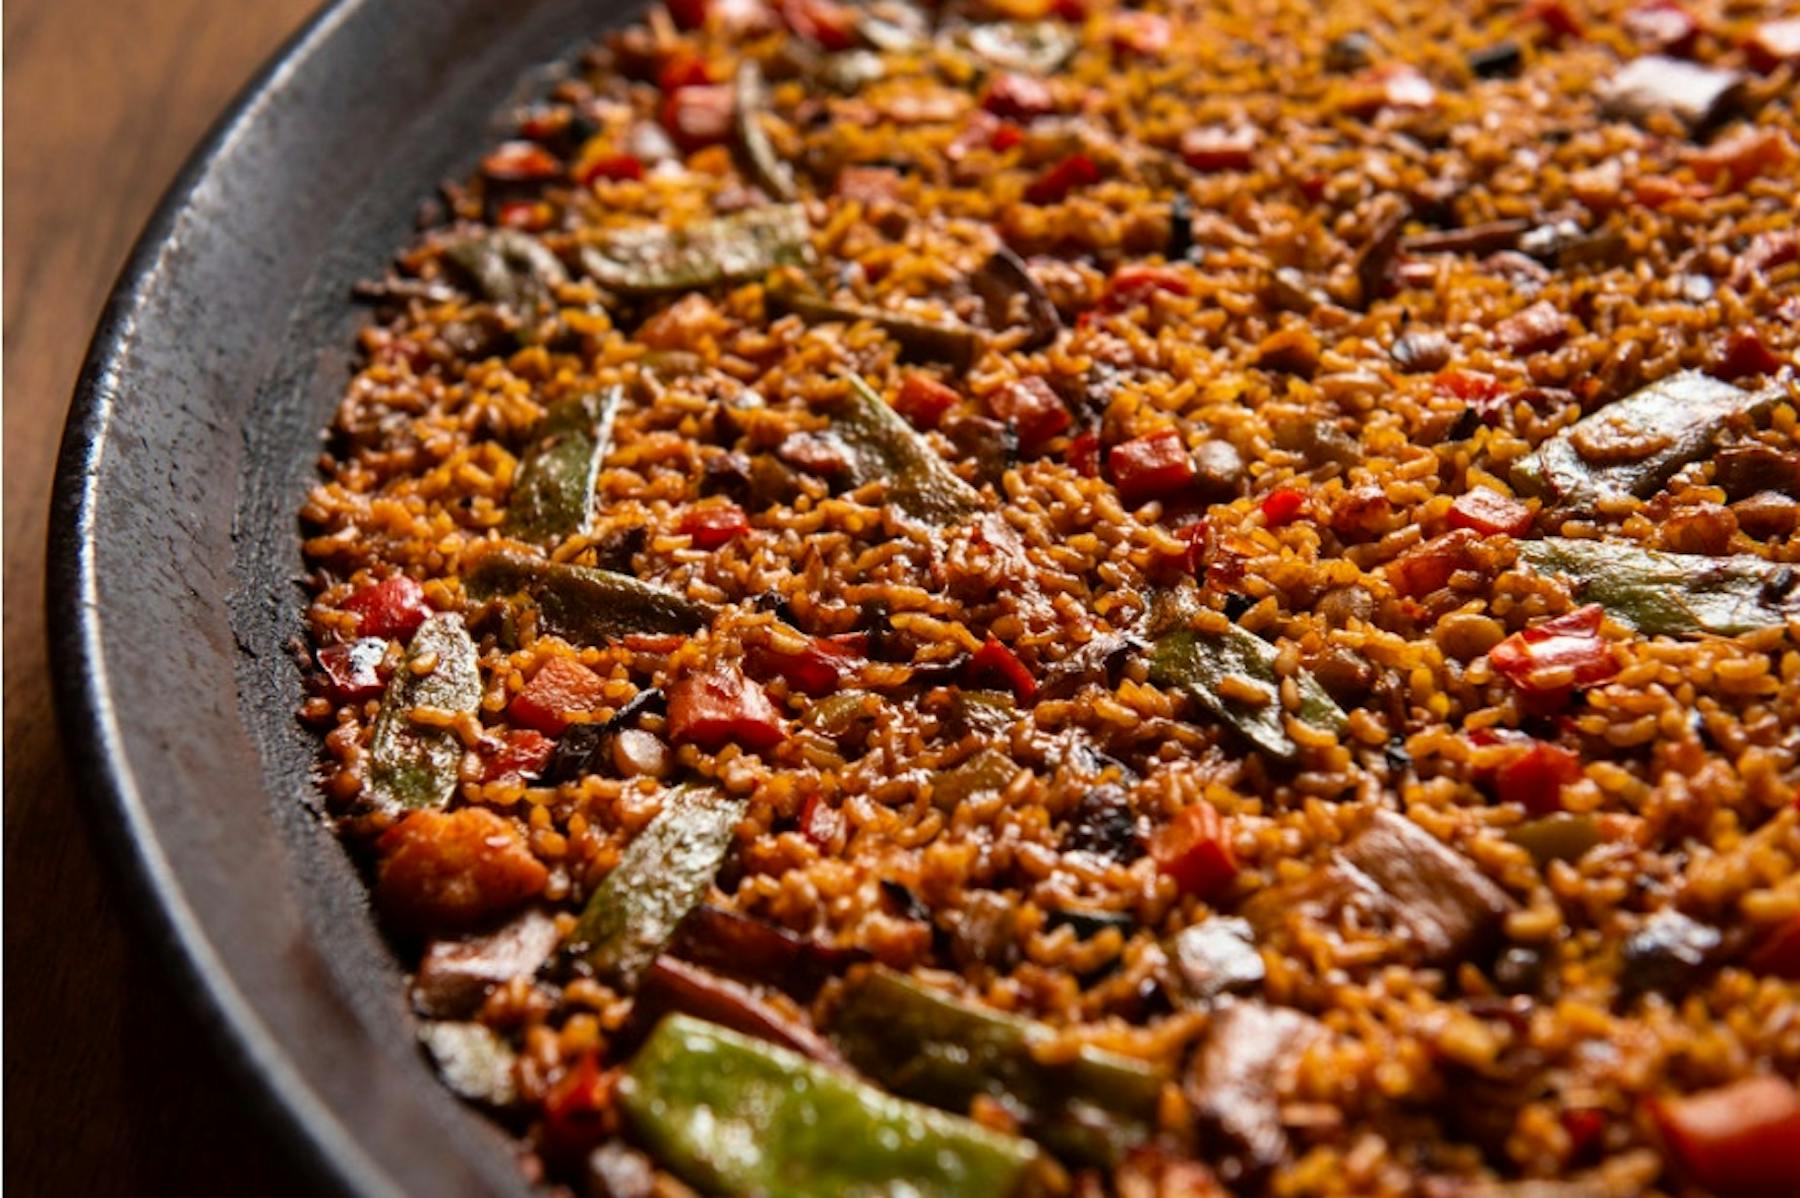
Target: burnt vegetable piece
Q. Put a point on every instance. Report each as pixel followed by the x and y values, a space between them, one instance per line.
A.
pixel 755 951
pixel 1667 955
pixel 553 492
pixel 1236 1082
pixel 885 447
pixel 510 268
pixel 1215 957
pixel 663 874
pixel 581 604
pixel 1440 904
pixel 1697 96
pixel 670 984
pixel 473 1061
pixel 918 1042
pixel 770 173
pixel 414 765
pixel 1198 662
pixel 734 1116
pixel 919 340
pixel 1671 594
pixel 1632 447
pixel 456 975
pixel 1003 281
pixel 725 249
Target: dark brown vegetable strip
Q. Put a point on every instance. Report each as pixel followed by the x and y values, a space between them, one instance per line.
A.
pixel 919 340
pixel 580 603
pixel 1004 277
pixel 726 249
pixel 670 984
pixel 771 174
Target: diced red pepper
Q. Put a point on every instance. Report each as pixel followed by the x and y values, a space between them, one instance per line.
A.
pixel 719 706
pixel 1425 568
pixel 1774 43
pixel 520 162
pixel 611 167
pixel 1198 537
pixel 545 124
pixel 1663 25
pixel 1194 848
pixel 1035 411
pixel 1084 454
pixel 1585 1126
pixel 1006 136
pixel 1220 148
pixel 710 525
pixel 1145 34
pixel 353 671
pixel 1743 156
pixel 1541 326
pixel 1746 353
pixel 1740 1140
pixel 688 14
pixel 1551 657
pixel 522 754
pixel 1129 284
pixel 562 686
pixel 1073 11
pixel 831 25
pixel 1488 512
pixel 530 215
pixel 576 1109
pixel 868 184
pixel 995 662
pixel 819 823
pixel 1534 775
pixel 684 68
pixel 1151 467
pixel 818 669
pixel 923 400
pixel 697 117
pixel 1055 184
pixel 1778 956
pixel 1555 16
pixel 1016 97
pixel 1282 506
pixel 393 607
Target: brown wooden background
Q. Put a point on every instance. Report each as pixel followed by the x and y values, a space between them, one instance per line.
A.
pixel 109 1089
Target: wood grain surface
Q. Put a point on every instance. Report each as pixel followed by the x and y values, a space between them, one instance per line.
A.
pixel 110 1087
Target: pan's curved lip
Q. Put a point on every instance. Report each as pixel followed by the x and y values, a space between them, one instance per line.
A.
pixel 83 697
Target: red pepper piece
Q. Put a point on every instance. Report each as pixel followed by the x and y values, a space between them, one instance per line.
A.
pixel 711 525
pixel 1585 1127
pixel 1534 776
pixel 1035 411
pixel 612 167
pixel 577 1109
pixel 353 671
pixel 1541 326
pixel 820 824
pixel 1194 848
pixel 995 662
pixel 521 754
pixel 1018 97
pixel 682 69
pixel 1740 1140
pixel 1425 568
pixel 1006 136
pixel 393 607
pixel 1743 156
pixel 719 706
pixel 1746 353
pixel 831 25
pixel 1555 16
pixel 697 117
pixel 1551 657
pixel 1663 25
pixel 1779 955
pixel 1130 284
pixel 923 400
pixel 1073 11
pixel 560 687
pixel 1282 506
pixel 1145 34
pixel 1774 43
pixel 688 14
pixel 1084 454
pixel 520 162
pixel 818 669
pixel 1055 184
pixel 1151 467
pixel 1488 512
pixel 1218 148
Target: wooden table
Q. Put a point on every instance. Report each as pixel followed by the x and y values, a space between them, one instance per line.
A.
pixel 110 1087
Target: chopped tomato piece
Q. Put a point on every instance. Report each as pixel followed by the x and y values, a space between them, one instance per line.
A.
pixel 682 69
pixel 1779 955
pixel 523 753
pixel 1558 654
pixel 1774 43
pixel 1739 1140
pixel 1217 148
pixel 819 823
pixel 1486 511
pixel 719 706
pixel 445 870
pixel 353 671
pixel 1018 97
pixel 1585 1127
pixel 1145 34
pixel 561 687
pixel 612 167
pixel 711 525
pixel 1746 353
pixel 1055 184
pixel 1743 156
pixel 1281 507
pixel 688 14
pixel 923 400
pixel 815 453
pixel 1006 136
pixel 868 184
pixel 1074 11
pixel 1555 16
pixel 520 162
pixel 994 661
pixel 577 1110
pixel 1534 776
pixel 393 607
pixel 1034 410
pixel 1084 454
pixel 818 669
pixel 831 25
pixel 1194 848
pixel 1663 25
pixel 1131 283
pixel 1539 327
pixel 1151 467
pixel 697 117
pixel 1428 567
